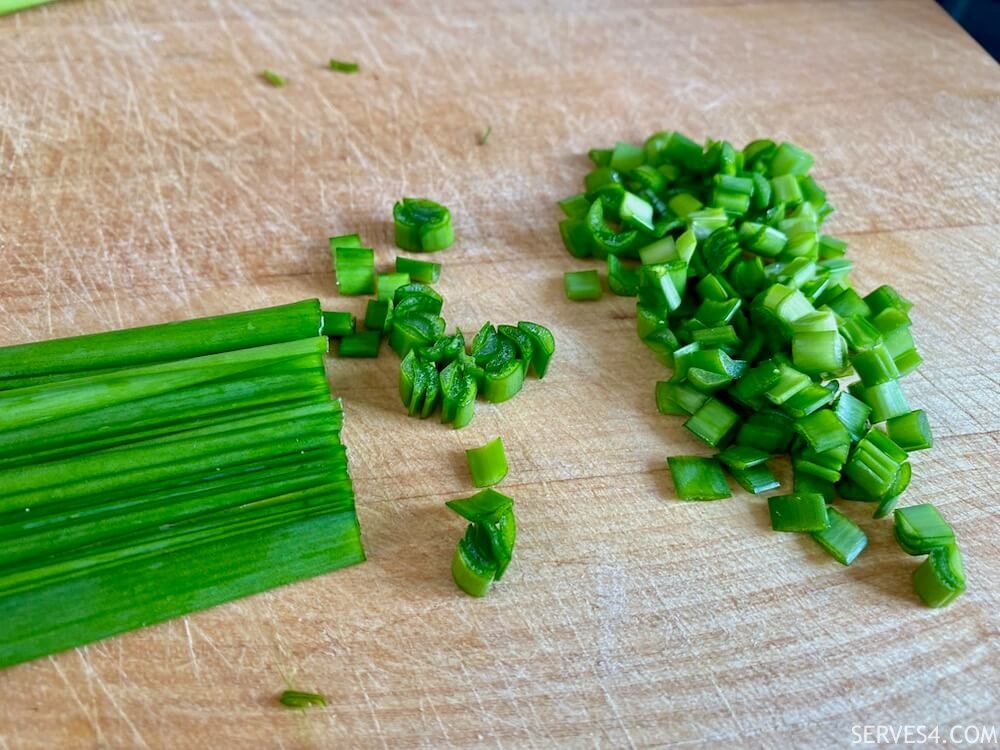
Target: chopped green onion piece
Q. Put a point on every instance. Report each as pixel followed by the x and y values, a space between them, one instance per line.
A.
pixel 807 483
pixel 378 315
pixel 582 285
pixel 941 577
pixel 360 345
pixel 625 156
pixel 875 366
pixel 342 66
pixel 458 394
pixel 622 280
pixel 853 414
pixel 698 478
pixel 387 283
pixel 422 225
pixel 345 240
pixel 493 530
pixel 886 399
pixel 473 568
pixel 884 297
pixel 487 464
pixel 910 431
pixel 422 271
pixel 798 512
pixel 678 398
pixel 419 387
pixel 755 479
pixel 808 400
pixel 790 159
pixel 742 457
pixel 355 270
pixel 273 78
pixel 338 323
pixel 600 156
pixel 822 430
pixel 298 699
pixel 545 346
pixel 576 206
pixel 768 431
pixel 661 251
pixel 605 239
pixel 888 504
pixel 843 539
pixel 576 237
pixel 713 422
pixel 921 528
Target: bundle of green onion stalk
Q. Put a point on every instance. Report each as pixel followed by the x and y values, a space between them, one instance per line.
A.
pixel 151 472
pixel 745 298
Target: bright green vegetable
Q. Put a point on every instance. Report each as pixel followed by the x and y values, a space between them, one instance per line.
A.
pixel 748 301
pixel 386 284
pixel 941 577
pixel 268 75
pixel 582 285
pixel 166 481
pixel 338 323
pixel 342 66
pixel 910 431
pixel 364 344
pixel 487 464
pixel 843 539
pixel 802 511
pixel 487 548
pixel 698 478
pixel 378 315
pixel 920 529
pixel 422 225
pixel 419 270
pixel 298 699
pixel 355 270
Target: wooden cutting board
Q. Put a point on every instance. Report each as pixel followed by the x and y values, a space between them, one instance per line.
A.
pixel 147 174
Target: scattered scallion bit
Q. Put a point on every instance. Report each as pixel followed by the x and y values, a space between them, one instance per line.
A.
pixel 422 271
pixel 298 699
pixel 487 464
pixel 484 136
pixel 802 511
pixel 337 324
pixel 342 66
pixel 697 478
pixel 485 551
pixel 921 528
pixel 941 577
pixel 422 225
pixel 363 344
pixel 745 297
pixel 582 285
pixel 355 270
pixel 273 78
pixel 843 538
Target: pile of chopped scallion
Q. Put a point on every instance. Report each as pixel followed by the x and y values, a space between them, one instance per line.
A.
pixel 744 297
pixel 155 471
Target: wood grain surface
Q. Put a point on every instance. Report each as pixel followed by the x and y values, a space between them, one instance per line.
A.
pixel 147 174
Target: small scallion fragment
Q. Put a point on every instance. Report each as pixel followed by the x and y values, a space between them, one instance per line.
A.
pixel 582 285
pixel 487 463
